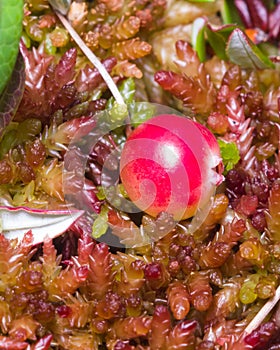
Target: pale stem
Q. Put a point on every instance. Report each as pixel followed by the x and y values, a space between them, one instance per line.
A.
pixel 264 311
pixel 93 59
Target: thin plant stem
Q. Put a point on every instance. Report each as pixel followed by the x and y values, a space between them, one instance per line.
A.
pixel 93 59
pixel 264 311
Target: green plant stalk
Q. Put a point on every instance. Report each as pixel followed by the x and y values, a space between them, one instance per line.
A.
pixel 11 15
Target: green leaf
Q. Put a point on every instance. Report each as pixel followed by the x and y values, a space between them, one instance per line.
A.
pixel 198 38
pixel 229 13
pixel 100 224
pixel 100 194
pixel 140 112
pixel 118 112
pixel 11 15
pixel 229 153
pixel 218 37
pixel 127 91
pixel 11 97
pixel 242 51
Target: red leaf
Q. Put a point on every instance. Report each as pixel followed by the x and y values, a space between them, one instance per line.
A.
pixel 44 343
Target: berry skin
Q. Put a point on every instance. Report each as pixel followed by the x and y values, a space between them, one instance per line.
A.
pixel 172 164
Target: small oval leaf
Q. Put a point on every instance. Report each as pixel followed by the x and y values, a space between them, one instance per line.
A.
pixel 243 52
pixel 217 38
pixel 100 225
